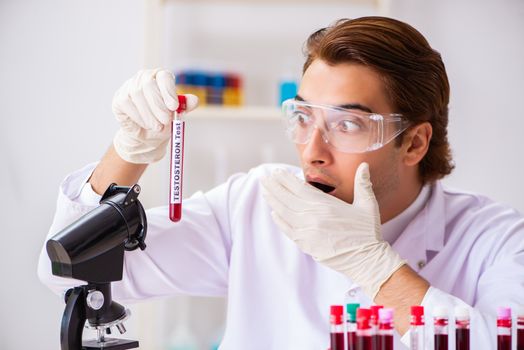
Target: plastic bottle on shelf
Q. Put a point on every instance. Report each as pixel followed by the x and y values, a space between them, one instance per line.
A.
pixel 233 94
pixel 193 82
pixel 287 89
pixel 215 89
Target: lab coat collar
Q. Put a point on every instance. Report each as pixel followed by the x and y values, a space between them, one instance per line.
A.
pixel 423 238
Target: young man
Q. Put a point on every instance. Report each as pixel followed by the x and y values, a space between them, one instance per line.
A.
pixel 284 243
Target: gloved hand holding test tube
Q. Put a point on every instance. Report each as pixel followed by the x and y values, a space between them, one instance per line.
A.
pixel 177 161
pixel 150 112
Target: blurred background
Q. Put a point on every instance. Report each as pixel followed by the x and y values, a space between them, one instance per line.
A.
pixel 62 60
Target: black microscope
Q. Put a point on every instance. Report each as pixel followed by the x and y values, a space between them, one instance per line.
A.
pixel 92 249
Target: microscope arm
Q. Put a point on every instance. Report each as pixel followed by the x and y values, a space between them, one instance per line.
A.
pixel 73 320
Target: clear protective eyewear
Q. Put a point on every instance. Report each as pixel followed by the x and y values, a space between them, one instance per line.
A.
pixel 347 130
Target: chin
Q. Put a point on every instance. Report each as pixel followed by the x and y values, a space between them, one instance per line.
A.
pixel 342 197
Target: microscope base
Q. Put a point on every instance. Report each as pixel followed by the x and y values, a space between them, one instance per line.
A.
pixel 110 343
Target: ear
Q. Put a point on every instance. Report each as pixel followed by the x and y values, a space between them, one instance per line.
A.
pixel 416 143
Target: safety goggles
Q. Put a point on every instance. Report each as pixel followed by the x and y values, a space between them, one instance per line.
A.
pixel 347 130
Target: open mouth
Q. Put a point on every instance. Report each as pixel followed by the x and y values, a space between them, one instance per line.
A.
pixel 323 187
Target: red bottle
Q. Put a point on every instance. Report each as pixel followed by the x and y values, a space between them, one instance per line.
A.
pixel 520 328
pixel 440 324
pixel 374 324
pixel 504 328
pixel 351 325
pixel 417 338
pixel 364 330
pixel 385 329
pixel 337 327
pixel 462 328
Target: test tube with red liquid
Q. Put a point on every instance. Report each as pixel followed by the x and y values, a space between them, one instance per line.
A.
pixel 177 161
pixel 520 328
pixel 374 323
pixel 440 324
pixel 385 329
pixel 337 327
pixel 504 328
pixel 364 330
pixel 462 328
pixel 351 325
pixel 417 328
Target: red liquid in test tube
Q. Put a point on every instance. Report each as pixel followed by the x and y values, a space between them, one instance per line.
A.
pixel 461 328
pixel 337 327
pixel 351 326
pixel 520 328
pixel 503 328
pixel 374 324
pixel 440 323
pixel 177 161
pixel 364 331
pixel 385 329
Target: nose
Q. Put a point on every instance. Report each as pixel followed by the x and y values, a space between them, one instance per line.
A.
pixel 317 151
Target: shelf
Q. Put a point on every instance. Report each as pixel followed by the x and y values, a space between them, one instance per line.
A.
pixel 244 113
pixel 301 2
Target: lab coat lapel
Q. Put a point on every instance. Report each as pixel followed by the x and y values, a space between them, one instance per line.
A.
pixel 423 238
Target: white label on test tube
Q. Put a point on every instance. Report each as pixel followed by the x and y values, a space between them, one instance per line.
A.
pixel 177 163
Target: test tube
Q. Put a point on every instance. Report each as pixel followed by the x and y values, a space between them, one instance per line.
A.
pixel 364 331
pixel 351 325
pixel 385 329
pixel 440 324
pixel 374 323
pixel 504 328
pixel 417 328
pixel 337 327
pixel 461 328
pixel 177 161
pixel 520 328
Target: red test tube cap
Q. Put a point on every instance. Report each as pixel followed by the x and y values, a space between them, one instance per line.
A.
pixel 336 312
pixel 385 315
pixel 363 316
pixel 417 315
pixel 504 312
pixel 182 103
pixel 374 313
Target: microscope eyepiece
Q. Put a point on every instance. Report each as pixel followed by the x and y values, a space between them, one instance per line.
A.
pixel 92 248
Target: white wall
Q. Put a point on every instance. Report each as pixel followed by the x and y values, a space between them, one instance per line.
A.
pixel 60 62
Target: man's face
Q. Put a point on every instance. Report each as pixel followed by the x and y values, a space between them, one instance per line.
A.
pixel 337 85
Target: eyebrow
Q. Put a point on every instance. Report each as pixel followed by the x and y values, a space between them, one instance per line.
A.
pixel 345 106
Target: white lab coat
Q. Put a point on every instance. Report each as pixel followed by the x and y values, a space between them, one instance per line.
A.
pixel 469 248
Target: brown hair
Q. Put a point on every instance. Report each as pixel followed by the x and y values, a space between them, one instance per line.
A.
pixel 413 73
